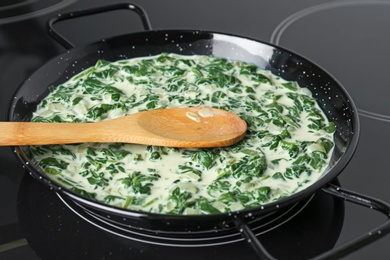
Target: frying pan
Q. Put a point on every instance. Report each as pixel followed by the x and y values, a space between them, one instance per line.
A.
pixel 331 96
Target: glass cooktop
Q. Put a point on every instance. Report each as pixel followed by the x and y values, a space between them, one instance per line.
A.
pixel 349 39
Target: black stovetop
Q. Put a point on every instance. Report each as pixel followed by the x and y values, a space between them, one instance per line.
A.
pixel 347 38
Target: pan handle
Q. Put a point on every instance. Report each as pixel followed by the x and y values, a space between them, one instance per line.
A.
pixel 66 16
pixel 348 247
pixel 364 239
pixel 251 238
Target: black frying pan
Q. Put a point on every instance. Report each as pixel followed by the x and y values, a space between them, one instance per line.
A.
pixel 332 98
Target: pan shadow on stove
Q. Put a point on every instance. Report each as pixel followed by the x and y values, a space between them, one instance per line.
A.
pixel 53 231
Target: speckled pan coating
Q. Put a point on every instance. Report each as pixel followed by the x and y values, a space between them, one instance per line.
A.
pixel 331 96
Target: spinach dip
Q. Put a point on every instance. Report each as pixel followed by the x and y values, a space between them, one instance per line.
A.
pixel 287 147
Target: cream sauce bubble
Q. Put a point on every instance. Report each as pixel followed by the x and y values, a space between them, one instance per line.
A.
pixel 206 112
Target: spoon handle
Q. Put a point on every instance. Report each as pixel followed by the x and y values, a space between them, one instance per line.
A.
pixel 33 133
pixel 165 127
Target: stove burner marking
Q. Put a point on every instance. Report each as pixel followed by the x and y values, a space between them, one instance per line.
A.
pixel 279 30
pixel 282 27
pixel 34 14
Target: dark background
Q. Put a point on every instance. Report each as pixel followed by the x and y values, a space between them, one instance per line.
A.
pixel 348 38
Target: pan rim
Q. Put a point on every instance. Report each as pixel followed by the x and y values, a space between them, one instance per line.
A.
pixel 323 181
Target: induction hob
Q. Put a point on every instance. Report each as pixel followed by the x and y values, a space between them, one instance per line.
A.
pixel 347 38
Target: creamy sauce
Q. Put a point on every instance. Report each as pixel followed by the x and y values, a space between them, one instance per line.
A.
pixel 287 147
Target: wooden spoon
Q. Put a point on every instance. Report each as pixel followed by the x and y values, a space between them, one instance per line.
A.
pixel 174 127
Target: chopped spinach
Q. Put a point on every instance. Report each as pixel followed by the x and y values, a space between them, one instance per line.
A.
pixel 288 143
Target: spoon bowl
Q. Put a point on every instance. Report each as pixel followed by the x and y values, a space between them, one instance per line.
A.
pixel 195 127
